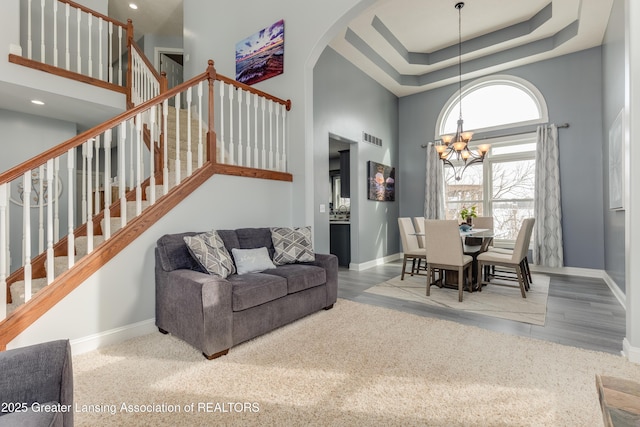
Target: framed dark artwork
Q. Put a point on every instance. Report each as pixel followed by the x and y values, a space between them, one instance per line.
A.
pixel 261 55
pixel 381 182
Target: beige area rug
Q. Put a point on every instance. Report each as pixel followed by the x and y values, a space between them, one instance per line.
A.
pixel 354 365
pixel 496 301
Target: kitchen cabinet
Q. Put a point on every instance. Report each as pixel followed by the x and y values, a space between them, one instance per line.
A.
pixel 340 241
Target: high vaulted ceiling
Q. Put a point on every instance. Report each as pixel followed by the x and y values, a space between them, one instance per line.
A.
pixel 410 46
pixel 161 17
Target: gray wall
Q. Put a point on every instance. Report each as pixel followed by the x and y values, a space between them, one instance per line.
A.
pixel 572 87
pixel 613 66
pixel 347 102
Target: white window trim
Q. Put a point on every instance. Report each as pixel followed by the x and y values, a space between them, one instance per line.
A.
pixel 504 79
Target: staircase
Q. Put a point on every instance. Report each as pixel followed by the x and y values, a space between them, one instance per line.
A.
pixel 81 243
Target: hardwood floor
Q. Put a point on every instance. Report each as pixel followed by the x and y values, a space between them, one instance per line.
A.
pixel 581 312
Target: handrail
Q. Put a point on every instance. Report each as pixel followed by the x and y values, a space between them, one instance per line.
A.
pixel 93 12
pixel 62 148
pixel 146 61
pixel 251 89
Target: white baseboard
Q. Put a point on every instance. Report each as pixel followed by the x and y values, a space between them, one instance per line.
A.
pixel 622 298
pixel 375 262
pixel 585 272
pixel 113 336
pixel 630 352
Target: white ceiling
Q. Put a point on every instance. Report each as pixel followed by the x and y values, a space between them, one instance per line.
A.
pixel 160 17
pixel 410 46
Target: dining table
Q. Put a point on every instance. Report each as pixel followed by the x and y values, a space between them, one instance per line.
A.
pixel 474 242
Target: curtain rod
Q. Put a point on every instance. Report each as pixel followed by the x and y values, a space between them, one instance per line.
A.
pixel 564 125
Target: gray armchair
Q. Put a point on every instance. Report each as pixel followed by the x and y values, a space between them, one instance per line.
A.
pixel 36 385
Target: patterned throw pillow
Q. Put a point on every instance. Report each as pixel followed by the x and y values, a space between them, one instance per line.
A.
pixel 292 245
pixel 208 248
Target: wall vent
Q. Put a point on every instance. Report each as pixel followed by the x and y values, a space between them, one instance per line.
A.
pixel 371 139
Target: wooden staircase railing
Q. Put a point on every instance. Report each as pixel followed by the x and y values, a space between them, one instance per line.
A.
pixel 193 155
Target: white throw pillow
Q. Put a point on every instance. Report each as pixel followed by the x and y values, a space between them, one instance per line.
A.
pixel 292 245
pixel 252 260
pixel 209 250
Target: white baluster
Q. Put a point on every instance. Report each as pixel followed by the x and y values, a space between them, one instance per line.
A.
pixel 26 234
pixel 29 32
pixel 119 55
pixel 189 155
pixel 110 52
pixel 284 138
pixel 40 194
pixel 277 137
pixel 56 200
pixel 240 159
pixel 264 141
pixel 177 164
pixel 89 218
pixel 50 257
pixel 100 52
pixel 138 164
pixel 84 183
pixel 248 102
pixel 232 157
pixel 55 33
pixel 97 199
pixel 256 100
pixel 222 148
pixel 152 149
pixel 79 58
pixel 67 51
pixel 89 44
pixel 4 244
pixel 108 136
pixel 42 47
pixel 200 147
pixel 132 143
pixel 271 135
pixel 165 148
pixel 122 173
pixel 71 166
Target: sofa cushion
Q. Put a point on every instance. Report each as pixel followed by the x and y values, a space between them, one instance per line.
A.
pixel 300 276
pixel 208 248
pixel 35 418
pixel 252 260
pixel 251 238
pixel 230 239
pixel 292 245
pixel 174 254
pixel 252 289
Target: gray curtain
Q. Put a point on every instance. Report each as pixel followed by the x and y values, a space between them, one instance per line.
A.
pixel 547 243
pixel 434 201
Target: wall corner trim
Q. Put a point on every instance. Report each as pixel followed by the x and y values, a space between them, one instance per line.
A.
pixel 374 262
pixel 112 336
pixel 630 352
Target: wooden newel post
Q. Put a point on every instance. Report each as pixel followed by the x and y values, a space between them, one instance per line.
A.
pixel 211 133
pixel 164 83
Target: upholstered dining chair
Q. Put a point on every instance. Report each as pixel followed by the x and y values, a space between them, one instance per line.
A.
pixel 410 247
pixel 418 225
pixel 483 222
pixel 445 252
pixel 514 260
pixel 525 261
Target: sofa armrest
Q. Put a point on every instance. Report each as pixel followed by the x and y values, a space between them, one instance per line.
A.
pixel 40 373
pixel 196 307
pixel 330 264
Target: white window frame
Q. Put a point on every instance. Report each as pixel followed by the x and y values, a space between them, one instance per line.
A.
pixel 494 80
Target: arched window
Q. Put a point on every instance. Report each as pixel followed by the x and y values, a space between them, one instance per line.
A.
pixel 503 185
pixel 492 103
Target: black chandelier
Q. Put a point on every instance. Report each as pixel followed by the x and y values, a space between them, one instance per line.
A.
pixel 455 148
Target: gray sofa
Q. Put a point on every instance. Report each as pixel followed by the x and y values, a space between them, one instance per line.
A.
pixel 36 385
pixel 213 314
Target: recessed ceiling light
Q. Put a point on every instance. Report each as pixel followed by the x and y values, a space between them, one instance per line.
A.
pixel 37 102
pixel 133 5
